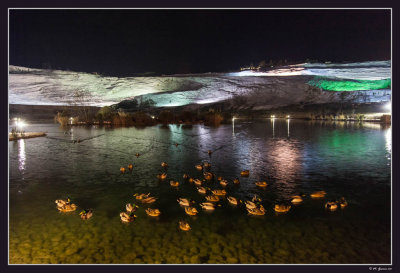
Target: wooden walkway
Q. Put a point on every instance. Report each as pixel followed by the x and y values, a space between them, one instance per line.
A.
pixel 25 135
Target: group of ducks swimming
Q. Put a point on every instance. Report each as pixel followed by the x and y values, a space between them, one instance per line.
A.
pixel 129 215
pixel 66 206
pixel 253 206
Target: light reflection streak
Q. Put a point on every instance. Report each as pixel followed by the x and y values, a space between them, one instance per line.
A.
pixel 273 127
pixel 205 140
pixel 288 127
pixel 371 125
pixel 286 163
pixel 21 155
pixel 388 138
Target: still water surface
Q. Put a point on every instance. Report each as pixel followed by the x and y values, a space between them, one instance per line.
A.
pixel 294 157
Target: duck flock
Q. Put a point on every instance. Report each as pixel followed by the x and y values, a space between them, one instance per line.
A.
pixel 212 197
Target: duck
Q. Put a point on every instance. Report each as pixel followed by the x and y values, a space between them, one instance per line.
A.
pixel 331 205
pixel 296 199
pixel 137 154
pixel 261 184
pixel 86 214
pixel 245 173
pixel 67 208
pixel 190 180
pixel 202 190
pixel 236 181
pixel 174 183
pixel 212 198
pixel 184 202
pixel 208 176
pixel 220 178
pixel 141 196
pixel 318 194
pixel 207 206
pixel 162 176
pixel 65 205
pixel 250 204
pixel 164 164
pixel 127 217
pixel 234 201
pixel 185 176
pixel 219 192
pixel 198 182
pixel 184 226
pixel 130 167
pixel 131 208
pixel 223 183
pixel 199 167
pixel 61 203
pixel 122 170
pixel 342 202
pixel 209 152
pixel 282 208
pixel 257 211
pixel 191 210
pixel 153 212
pixel 206 165
pixel 149 200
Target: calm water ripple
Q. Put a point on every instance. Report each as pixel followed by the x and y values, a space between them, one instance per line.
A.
pixel 294 157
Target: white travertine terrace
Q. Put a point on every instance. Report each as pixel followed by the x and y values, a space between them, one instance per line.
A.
pixel 262 90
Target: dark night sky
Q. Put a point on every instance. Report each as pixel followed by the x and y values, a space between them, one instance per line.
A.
pixel 124 42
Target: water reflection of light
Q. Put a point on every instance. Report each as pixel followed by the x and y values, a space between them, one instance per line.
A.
pixel 273 126
pixel 205 139
pixel 21 154
pixel 372 125
pixel 233 126
pixel 288 127
pixel 388 107
pixel 286 163
pixel 388 137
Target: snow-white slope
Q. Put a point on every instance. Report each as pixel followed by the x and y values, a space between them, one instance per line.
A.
pixel 260 90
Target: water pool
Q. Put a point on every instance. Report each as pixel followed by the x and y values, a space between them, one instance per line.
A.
pixel 295 157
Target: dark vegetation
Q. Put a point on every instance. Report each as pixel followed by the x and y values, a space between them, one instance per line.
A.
pixel 136 113
pixel 213 115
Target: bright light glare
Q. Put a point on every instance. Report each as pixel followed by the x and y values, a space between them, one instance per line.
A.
pixel 388 107
pixel 20 123
pixel 288 116
pixel 272 116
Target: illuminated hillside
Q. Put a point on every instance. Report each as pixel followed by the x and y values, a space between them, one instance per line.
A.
pixel 303 83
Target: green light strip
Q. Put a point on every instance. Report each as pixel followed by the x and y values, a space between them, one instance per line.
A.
pixel 353 85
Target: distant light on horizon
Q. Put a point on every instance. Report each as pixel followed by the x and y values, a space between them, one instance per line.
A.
pixel 290 71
